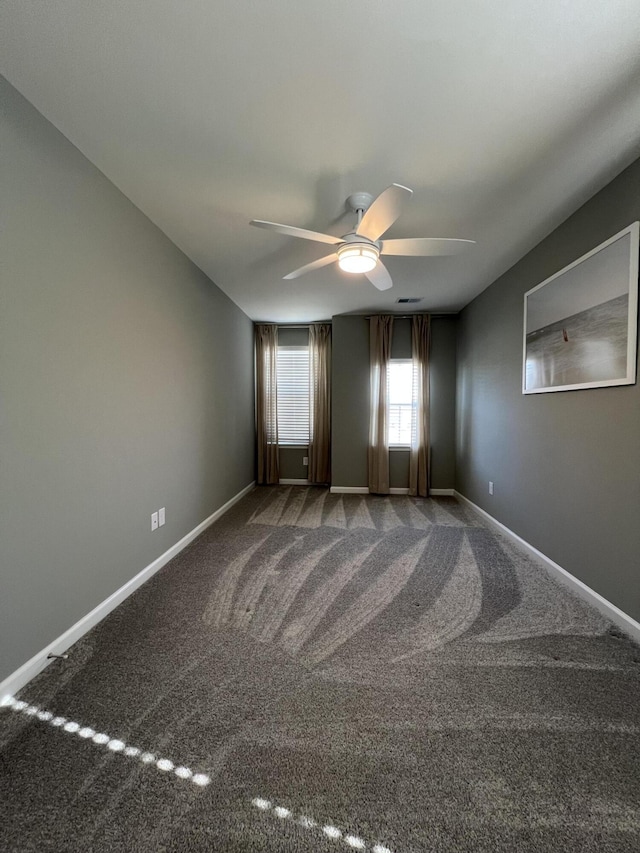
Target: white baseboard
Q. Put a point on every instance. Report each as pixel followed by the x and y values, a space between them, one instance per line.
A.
pixel 17 680
pixel 290 482
pixel 363 490
pixel 617 616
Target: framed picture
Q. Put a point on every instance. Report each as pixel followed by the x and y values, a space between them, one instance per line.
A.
pixel 580 325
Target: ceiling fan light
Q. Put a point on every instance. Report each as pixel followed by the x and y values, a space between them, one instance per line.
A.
pixel 357 258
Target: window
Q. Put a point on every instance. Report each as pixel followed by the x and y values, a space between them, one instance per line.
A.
pixel 293 395
pixel 401 399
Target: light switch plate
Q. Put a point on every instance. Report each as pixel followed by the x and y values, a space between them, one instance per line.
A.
pixel 154 520
pixel 161 517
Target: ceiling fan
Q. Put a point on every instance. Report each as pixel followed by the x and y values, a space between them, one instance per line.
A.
pixel 359 251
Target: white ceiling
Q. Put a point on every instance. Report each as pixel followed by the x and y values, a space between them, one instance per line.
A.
pixel 502 115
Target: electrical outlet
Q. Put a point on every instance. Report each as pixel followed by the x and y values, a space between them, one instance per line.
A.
pixel 490 487
pixel 154 520
pixel 160 517
pixel 305 460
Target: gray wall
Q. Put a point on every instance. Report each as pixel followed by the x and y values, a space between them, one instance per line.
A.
pixel 126 383
pixel 292 465
pixel 566 465
pixel 443 402
pixel 350 401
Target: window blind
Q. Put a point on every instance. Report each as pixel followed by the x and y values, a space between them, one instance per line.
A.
pixel 293 395
pixel 401 400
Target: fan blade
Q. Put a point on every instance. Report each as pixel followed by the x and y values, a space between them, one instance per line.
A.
pixel 383 211
pixel 292 231
pixel 314 265
pixel 425 246
pixel 379 277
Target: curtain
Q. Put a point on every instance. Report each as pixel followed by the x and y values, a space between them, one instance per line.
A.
pixel 419 458
pixel 320 403
pixel 266 403
pixel 380 332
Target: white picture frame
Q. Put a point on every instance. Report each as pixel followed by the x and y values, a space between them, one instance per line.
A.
pixel 580 324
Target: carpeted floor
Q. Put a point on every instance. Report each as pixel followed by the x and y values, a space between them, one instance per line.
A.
pixel 331 673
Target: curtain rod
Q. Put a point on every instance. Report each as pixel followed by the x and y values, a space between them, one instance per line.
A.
pixel 404 316
pixel 364 317
pixel 299 325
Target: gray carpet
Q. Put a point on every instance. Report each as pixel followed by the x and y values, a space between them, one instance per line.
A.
pixel 332 673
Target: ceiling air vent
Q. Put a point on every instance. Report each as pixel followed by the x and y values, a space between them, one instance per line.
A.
pixel 408 300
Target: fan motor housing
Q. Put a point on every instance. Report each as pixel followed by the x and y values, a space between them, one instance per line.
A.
pixel 353 239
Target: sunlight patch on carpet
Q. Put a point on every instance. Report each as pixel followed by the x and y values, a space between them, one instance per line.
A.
pixel 328 829
pixel 114 745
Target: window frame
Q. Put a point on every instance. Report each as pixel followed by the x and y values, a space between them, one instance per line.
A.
pixel 413 404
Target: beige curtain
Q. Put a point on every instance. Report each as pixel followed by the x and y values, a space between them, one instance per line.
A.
pixel 419 459
pixel 380 332
pixel 320 403
pixel 266 403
